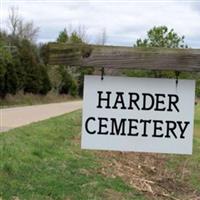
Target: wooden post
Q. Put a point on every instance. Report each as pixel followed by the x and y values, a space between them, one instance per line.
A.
pixel 124 57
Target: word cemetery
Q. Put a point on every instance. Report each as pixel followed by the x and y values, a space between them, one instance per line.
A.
pixel 138 114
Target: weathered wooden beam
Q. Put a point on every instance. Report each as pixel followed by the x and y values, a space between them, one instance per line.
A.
pixel 124 57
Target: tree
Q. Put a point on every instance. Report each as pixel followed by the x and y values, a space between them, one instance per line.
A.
pixel 70 80
pixel 13 20
pixel 27 31
pixel 9 80
pixel 63 36
pixel 5 59
pixel 102 38
pixel 75 38
pixel 82 33
pixel 68 83
pixel 45 85
pixel 19 28
pixel 21 65
pixel 36 79
pixel 161 37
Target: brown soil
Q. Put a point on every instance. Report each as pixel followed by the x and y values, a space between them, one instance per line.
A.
pixel 148 174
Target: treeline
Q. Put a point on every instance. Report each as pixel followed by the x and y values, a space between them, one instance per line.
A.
pixel 23 63
pixel 23 67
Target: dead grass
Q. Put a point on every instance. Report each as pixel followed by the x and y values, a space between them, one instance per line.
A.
pixel 21 99
pixel 110 194
pixel 152 173
pixel 147 173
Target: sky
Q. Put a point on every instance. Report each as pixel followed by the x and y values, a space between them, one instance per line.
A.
pixel 123 20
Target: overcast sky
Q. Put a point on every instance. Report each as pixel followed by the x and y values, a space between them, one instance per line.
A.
pixel 124 21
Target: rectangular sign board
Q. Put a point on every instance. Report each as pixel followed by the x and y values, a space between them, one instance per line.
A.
pixel 138 114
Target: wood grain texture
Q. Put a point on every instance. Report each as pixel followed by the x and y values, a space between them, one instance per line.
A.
pixel 125 57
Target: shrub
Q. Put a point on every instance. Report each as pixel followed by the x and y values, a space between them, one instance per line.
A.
pixel 68 84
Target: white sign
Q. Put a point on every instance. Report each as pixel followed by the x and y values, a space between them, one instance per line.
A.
pixel 138 114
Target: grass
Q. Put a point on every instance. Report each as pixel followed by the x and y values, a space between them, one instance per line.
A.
pixel 188 167
pixel 197 120
pixel 44 161
pixel 21 99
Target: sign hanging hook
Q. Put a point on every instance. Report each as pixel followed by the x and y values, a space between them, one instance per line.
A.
pixel 102 73
pixel 177 73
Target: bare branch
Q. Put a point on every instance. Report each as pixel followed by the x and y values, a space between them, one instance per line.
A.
pixel 82 33
pixel 102 38
pixel 13 20
pixel 19 28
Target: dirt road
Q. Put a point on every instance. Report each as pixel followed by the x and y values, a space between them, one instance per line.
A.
pixel 19 116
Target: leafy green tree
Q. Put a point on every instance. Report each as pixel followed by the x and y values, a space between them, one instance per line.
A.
pixel 17 66
pixel 161 36
pixel 35 74
pixel 29 61
pixel 5 59
pixel 75 38
pixel 9 81
pixel 21 67
pixel 71 81
pixel 63 36
pixel 67 83
pixel 45 83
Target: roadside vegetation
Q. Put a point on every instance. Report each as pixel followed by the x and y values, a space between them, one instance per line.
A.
pixel 44 161
pixel 24 69
pixel 21 99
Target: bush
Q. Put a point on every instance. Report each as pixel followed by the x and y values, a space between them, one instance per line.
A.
pixel 198 87
pixel 73 88
pixel 45 85
pixel 82 72
pixel 68 84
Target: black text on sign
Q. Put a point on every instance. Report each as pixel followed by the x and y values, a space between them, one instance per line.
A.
pixel 138 114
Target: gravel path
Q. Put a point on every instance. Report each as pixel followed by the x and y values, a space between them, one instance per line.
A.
pixel 19 116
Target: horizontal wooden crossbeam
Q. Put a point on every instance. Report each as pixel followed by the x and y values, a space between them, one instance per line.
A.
pixel 124 57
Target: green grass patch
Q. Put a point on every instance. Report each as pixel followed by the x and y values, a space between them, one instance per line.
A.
pixel 197 120
pixel 44 161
